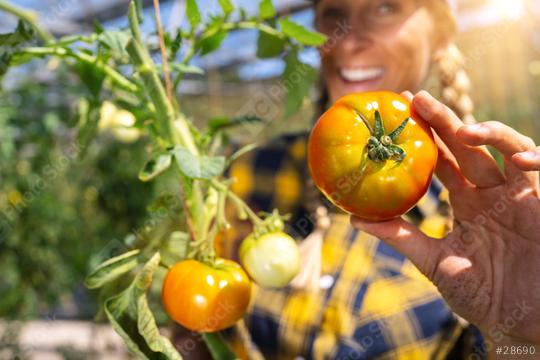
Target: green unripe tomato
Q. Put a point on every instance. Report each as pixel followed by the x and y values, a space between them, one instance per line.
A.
pixel 271 260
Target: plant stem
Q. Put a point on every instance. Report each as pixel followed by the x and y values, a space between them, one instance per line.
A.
pixel 185 207
pixel 115 76
pixel 185 61
pixel 182 127
pixel 153 88
pixel 221 217
pixel 141 59
pixel 253 25
pixel 70 39
pixel 238 201
pixel 210 210
pixel 218 347
pixel 173 126
pixel 164 109
pixel 165 63
pixel 28 16
pixel 134 22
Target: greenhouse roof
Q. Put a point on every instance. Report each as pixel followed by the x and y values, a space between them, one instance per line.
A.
pixel 63 17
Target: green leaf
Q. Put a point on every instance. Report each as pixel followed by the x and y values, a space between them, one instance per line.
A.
pixel 227 6
pixel 116 41
pixel 131 318
pixel 198 167
pixel 5 61
pixel 155 166
pixel 98 27
pixel 300 78
pixel 243 14
pixel 92 77
pixel 112 269
pixel 266 9
pixel 23 33
pixel 18 59
pixel 174 45
pixel 193 13
pixel 218 347
pixel 187 69
pixel 212 42
pixel 301 34
pixel 269 45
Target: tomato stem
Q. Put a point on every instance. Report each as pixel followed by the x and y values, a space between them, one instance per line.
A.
pixel 237 201
pixel 380 145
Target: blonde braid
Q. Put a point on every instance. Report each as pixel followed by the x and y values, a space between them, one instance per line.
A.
pixel 311 247
pixel 455 83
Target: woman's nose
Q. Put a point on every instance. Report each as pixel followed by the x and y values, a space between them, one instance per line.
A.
pixel 356 38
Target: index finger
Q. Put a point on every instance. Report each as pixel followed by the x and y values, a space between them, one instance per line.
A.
pixel 476 164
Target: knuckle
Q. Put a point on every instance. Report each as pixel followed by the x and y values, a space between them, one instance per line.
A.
pixel 528 142
pixel 496 125
pixel 498 128
pixel 440 110
pixel 441 113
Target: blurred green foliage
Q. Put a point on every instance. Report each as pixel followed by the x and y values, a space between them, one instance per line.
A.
pixel 60 214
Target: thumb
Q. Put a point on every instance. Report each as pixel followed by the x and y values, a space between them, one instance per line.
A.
pixel 406 238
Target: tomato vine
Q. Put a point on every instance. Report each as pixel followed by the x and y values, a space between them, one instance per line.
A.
pixel 118 66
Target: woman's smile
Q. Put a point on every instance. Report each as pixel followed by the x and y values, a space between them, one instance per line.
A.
pixel 364 78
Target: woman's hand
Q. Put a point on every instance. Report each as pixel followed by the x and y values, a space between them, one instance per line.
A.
pixel 488 267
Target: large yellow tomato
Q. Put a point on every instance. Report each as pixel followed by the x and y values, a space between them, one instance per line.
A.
pixel 370 157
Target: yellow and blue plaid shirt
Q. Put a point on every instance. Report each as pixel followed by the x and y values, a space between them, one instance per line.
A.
pixel 372 303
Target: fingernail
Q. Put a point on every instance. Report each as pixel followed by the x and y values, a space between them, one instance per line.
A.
pixel 527 155
pixel 407 94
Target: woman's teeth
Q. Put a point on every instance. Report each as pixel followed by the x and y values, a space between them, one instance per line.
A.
pixel 358 75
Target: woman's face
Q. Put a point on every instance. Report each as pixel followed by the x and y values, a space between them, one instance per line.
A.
pixel 374 45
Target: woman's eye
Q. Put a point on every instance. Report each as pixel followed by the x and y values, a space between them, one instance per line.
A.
pixel 387 8
pixel 332 14
pixel 329 18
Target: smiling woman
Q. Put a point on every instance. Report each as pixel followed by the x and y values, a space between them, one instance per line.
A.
pixel 386 38
pixel 386 287
pixel 377 304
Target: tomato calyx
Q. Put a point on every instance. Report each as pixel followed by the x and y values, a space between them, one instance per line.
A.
pixel 381 145
pixel 271 222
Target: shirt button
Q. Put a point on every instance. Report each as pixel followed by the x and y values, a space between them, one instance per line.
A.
pixel 326 282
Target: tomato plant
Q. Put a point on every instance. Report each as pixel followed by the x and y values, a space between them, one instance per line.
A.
pixel 136 97
pixel 206 297
pixel 272 260
pixel 369 157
